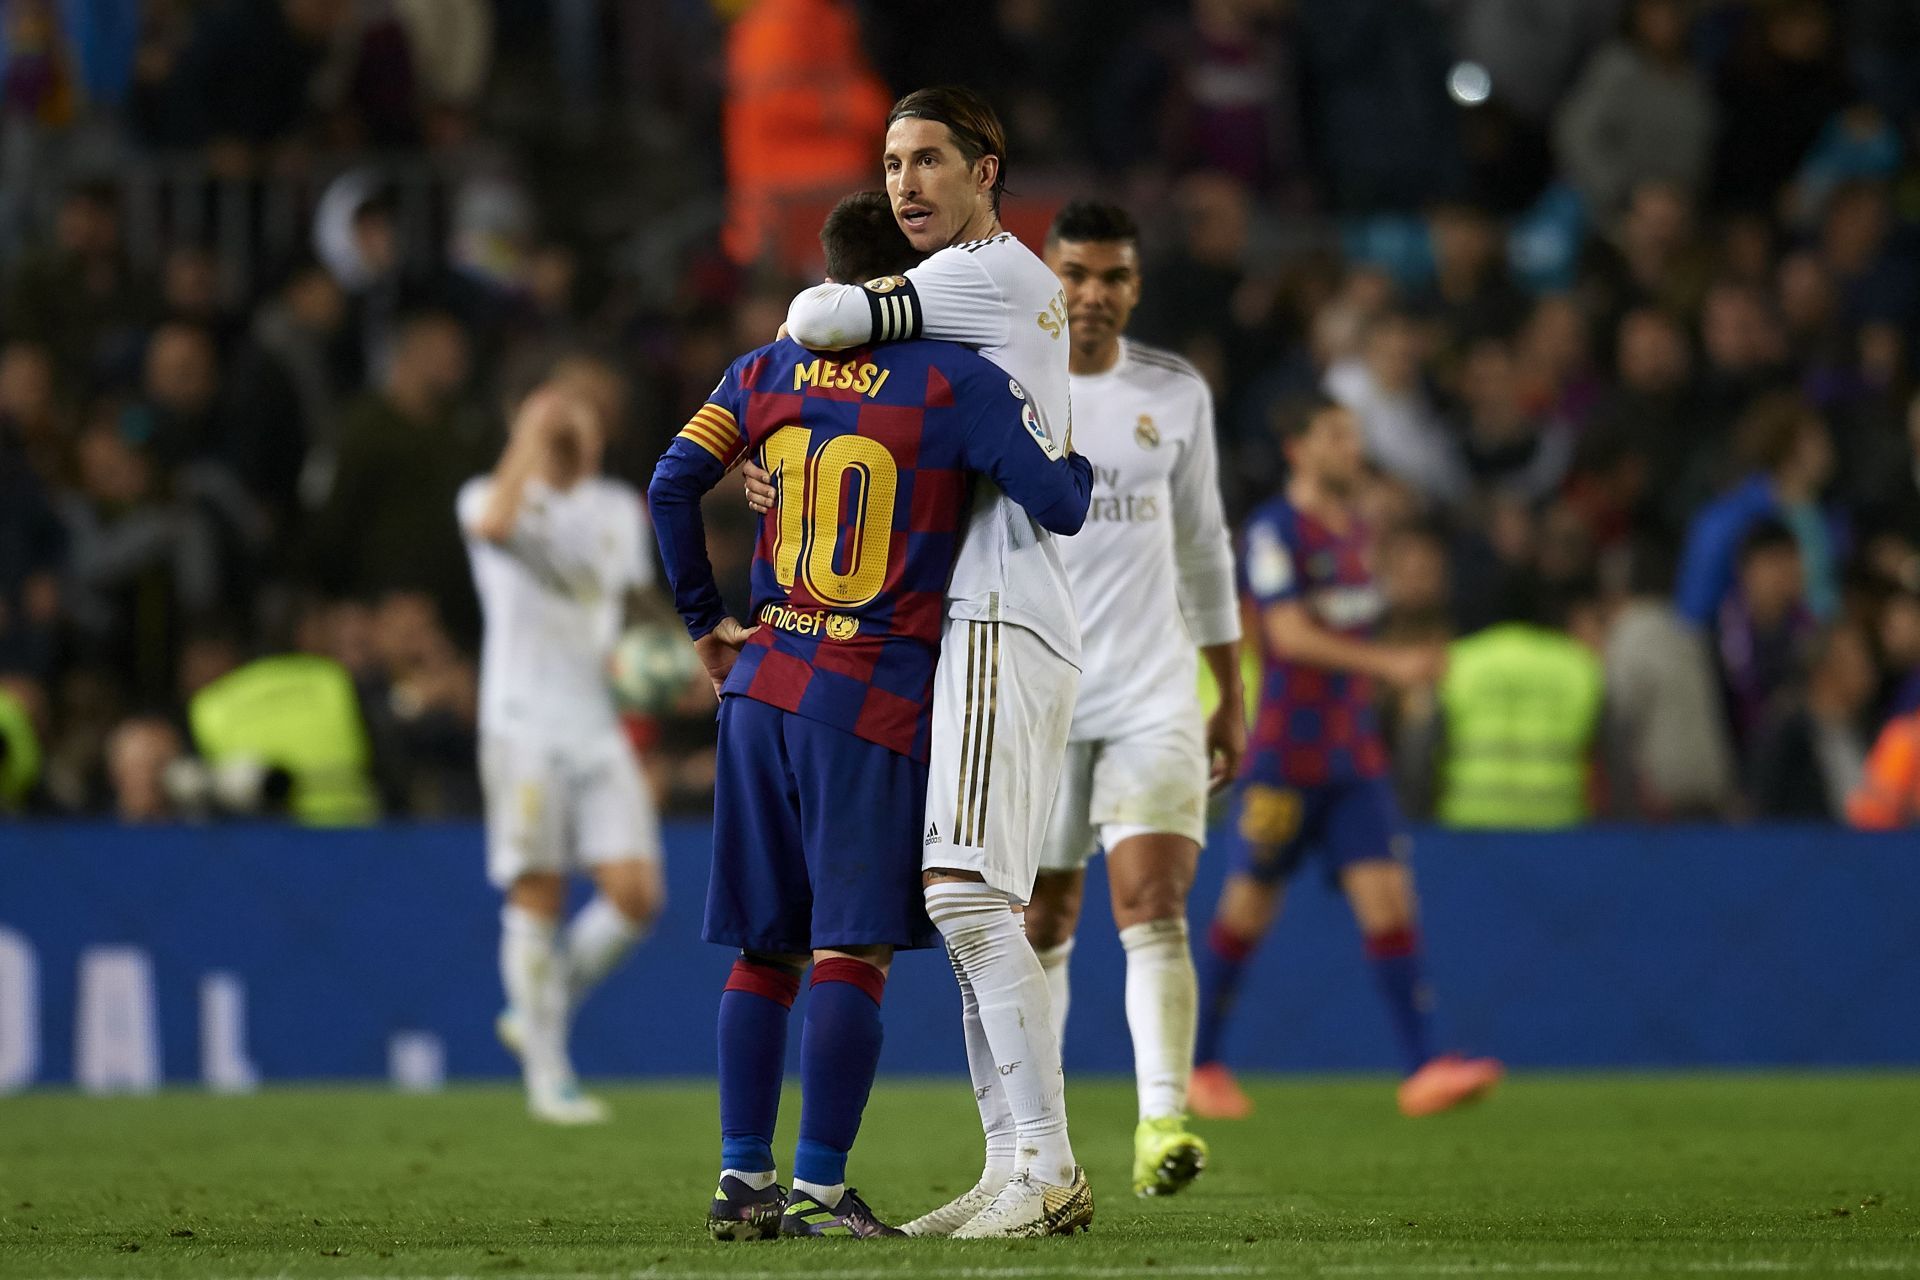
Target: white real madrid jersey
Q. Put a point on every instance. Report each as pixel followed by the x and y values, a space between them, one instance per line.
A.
pixel 993 295
pixel 553 598
pixel 1152 569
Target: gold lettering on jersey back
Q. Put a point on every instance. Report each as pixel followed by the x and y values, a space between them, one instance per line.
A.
pixel 860 377
pixel 1054 320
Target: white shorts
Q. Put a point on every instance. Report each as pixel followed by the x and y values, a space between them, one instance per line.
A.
pixel 1002 705
pixel 1146 783
pixel 559 807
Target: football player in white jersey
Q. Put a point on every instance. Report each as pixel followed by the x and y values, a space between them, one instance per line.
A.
pixel 558 560
pixel 1152 575
pixel 1004 687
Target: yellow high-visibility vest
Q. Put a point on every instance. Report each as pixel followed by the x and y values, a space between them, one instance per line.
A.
pixel 1521 708
pixel 299 713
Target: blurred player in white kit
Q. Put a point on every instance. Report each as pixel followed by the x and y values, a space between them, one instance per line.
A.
pixel 558 559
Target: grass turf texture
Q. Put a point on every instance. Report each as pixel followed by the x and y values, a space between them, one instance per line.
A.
pixel 1604 1175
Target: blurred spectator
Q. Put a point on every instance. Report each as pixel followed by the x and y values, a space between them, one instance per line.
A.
pixel 1507 448
pixel 180 384
pixel 32 551
pixel 424 709
pixel 1471 296
pixel 78 295
pixel 1776 93
pixel 139 754
pixel 1744 352
pixel 405 450
pixel 1234 106
pixel 1404 434
pixel 1792 453
pixel 243 85
pixel 450 48
pixel 1650 256
pixel 1888 796
pixel 1520 717
pixel 139 563
pixel 1875 276
pixel 288 372
pixel 1670 759
pixel 1764 628
pixel 1883 52
pixel 1381 122
pixel 31 420
pixel 804 118
pixel 1639 113
pixel 1812 750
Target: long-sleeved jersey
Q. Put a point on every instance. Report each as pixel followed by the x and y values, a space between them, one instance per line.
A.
pixel 1152 572
pixel 995 296
pixel 873 452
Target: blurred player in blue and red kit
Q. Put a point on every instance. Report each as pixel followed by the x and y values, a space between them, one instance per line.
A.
pixel 825 705
pixel 1314 783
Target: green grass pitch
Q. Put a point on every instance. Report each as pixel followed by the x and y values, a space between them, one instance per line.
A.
pixel 1556 1176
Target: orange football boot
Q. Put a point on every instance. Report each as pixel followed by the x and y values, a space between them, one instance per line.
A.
pixel 1448 1082
pixel 1213 1094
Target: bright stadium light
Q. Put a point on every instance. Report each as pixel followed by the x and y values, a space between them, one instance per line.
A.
pixel 1469 83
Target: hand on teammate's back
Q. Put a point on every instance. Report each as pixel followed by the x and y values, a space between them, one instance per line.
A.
pixel 720 648
pixel 760 490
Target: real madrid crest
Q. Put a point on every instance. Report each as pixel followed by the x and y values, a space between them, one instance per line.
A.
pixel 1145 433
pixel 886 284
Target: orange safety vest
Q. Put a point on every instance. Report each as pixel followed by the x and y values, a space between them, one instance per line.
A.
pixel 1889 793
pixel 805 116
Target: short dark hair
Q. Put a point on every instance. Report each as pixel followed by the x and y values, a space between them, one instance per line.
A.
pixel 1093 221
pixel 1771 429
pixel 1294 417
pixel 1771 534
pixel 976 129
pixel 863 241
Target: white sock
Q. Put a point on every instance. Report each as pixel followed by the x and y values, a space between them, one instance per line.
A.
pixel 598 938
pixel 534 971
pixel 1163 1001
pixel 1053 961
pixel 996 1120
pixel 826 1195
pixel 989 946
pixel 758 1180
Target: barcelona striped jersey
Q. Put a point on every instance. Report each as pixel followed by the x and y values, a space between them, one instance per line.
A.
pixel 873 451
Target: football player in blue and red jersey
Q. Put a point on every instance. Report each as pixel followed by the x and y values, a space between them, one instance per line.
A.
pixel 821 770
pixel 1314 782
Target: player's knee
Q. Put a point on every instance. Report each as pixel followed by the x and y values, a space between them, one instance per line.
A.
pixel 1053 912
pixel 540 893
pixel 1148 899
pixel 634 888
pixel 1247 907
pixel 973 918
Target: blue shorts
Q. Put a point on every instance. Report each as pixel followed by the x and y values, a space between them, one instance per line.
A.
pixel 816 837
pixel 1277 827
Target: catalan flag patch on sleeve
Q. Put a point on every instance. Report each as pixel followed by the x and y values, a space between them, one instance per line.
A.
pixel 714 429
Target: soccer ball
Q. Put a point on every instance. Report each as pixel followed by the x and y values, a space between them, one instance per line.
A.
pixel 650 667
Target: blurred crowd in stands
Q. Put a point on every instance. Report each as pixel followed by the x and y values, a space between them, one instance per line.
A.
pixel 1625 294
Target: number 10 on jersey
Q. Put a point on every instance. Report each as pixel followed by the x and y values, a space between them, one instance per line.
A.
pixel 834 519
